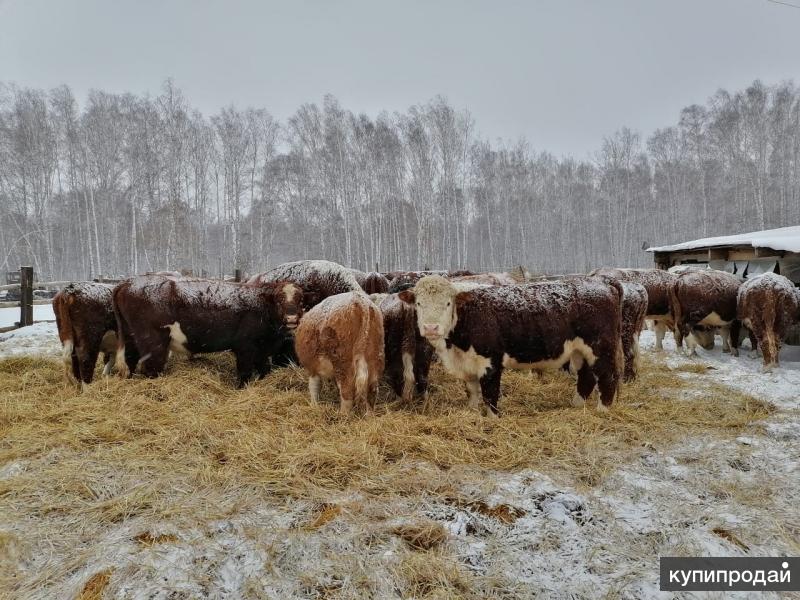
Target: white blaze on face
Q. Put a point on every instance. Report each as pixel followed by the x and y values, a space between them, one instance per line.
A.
pixel 289 290
pixel 435 306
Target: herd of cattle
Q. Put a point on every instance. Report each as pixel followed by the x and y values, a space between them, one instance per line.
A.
pixel 356 327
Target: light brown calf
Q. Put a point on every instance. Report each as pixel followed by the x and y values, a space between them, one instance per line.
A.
pixel 341 338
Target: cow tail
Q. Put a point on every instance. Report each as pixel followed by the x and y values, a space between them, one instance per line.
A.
pixel 362 379
pixel 769 315
pixel 675 308
pixel 65 332
pixel 120 362
pixel 619 351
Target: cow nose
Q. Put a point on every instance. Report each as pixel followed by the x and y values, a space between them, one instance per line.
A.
pixel 428 329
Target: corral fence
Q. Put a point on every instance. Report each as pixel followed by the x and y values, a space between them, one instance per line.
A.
pixel 21 290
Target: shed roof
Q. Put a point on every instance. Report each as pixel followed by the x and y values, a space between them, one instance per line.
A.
pixel 783 238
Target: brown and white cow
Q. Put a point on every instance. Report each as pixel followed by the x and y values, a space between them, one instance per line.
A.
pixel 479 333
pixel 157 314
pixel 658 284
pixel 701 302
pixel 768 305
pixel 408 355
pixel 342 339
pixel 86 327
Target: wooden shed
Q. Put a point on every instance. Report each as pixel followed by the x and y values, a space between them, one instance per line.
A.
pixel 745 254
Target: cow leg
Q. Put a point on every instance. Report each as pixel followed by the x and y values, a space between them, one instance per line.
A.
pixel 607 381
pixel 314 386
pixel 585 386
pixel 108 363
pixel 725 334
pixel 245 365
pixel 87 359
pixel 628 343
pixel 347 392
pixel 76 368
pixel 422 368
pixel 753 344
pixel 473 393
pixel 490 389
pixel 154 348
pixel 408 378
pixel 660 329
pixel 286 355
pixel 678 335
pixel 733 334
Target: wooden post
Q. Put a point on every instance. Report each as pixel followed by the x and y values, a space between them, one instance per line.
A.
pixel 26 296
pixel 237 275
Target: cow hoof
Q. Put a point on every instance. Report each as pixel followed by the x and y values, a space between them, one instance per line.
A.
pixel 577 400
pixel 734 352
pixel 768 368
pixel 601 407
pixel 84 386
pixel 752 354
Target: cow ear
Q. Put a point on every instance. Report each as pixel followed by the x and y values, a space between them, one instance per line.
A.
pixel 407 296
pixel 460 299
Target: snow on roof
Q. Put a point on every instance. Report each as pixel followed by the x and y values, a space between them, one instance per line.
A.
pixel 783 238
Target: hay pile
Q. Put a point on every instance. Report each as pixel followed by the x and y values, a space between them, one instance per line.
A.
pixel 188 447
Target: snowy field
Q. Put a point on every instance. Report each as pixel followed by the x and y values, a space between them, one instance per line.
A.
pixel 521 534
pixel 41 312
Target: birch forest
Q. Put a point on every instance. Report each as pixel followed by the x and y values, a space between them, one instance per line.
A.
pixel 123 184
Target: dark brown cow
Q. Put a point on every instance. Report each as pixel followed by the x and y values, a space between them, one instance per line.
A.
pixel 342 339
pixel 404 280
pixel 371 283
pixel 408 355
pixel 480 332
pixel 319 279
pixel 658 284
pixel 700 303
pixel 768 305
pixel 156 315
pixel 86 327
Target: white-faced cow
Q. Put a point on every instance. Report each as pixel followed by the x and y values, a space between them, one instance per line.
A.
pixel 703 302
pixel 408 355
pixel 86 327
pixel 768 305
pixel 658 284
pixel 480 332
pixel 156 315
pixel 342 339
pixel 319 279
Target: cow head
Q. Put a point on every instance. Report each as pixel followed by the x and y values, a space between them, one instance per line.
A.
pixel 704 336
pixel 434 299
pixel 289 301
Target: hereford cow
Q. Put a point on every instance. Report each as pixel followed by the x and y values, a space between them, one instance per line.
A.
pixel 658 284
pixel 702 302
pixel 156 315
pixel 478 333
pixel 342 339
pixel 408 355
pixel 86 327
pixel 767 306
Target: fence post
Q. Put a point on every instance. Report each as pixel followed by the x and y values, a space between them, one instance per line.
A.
pixel 237 275
pixel 26 296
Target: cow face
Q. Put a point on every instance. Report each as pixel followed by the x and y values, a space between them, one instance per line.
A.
pixel 434 299
pixel 289 299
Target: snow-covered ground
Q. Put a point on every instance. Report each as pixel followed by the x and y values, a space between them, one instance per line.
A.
pixel 41 312
pixel 706 497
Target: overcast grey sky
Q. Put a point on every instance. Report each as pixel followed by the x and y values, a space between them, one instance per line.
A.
pixel 562 73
